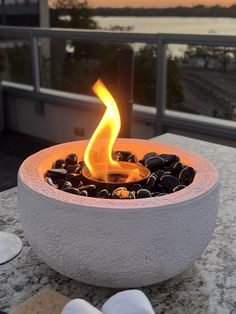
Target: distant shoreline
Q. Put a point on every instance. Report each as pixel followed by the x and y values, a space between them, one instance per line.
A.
pixel 196 11
pixel 96 15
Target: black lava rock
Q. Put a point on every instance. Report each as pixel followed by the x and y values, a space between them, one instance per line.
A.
pixel 141 161
pixel 169 158
pixel 71 190
pixel 154 163
pixel 59 163
pixel 81 163
pixel 166 173
pixel 179 187
pixel 169 182
pixel 143 193
pixel 122 193
pixel 160 188
pixel 169 175
pixel 120 188
pixel 56 173
pixel 71 159
pixel 74 179
pixel 154 194
pixel 151 182
pixel 132 158
pixel 117 156
pixel 83 193
pixel 125 154
pixel 49 181
pixel 67 185
pixel 148 155
pixel 59 182
pixel 158 174
pixel 176 168
pixel 135 187
pixel 103 194
pixel 186 176
pixel 74 169
pixel 91 189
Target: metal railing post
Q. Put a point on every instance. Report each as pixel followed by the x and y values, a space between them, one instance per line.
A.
pixel 39 107
pixel 160 100
pixel 3 12
pixel 125 90
pixel 35 63
pixel 2 111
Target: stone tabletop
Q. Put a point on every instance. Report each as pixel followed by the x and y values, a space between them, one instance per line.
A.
pixel 207 287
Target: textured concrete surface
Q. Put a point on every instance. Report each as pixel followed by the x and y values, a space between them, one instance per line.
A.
pixel 207 287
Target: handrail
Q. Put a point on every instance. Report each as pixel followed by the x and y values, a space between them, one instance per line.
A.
pixel 117 36
pixel 79 34
pixel 162 118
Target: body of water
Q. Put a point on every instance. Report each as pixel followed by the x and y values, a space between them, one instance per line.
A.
pixel 176 25
pixel 184 25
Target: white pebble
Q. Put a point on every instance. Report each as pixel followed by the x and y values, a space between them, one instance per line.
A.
pixel 79 306
pixel 128 302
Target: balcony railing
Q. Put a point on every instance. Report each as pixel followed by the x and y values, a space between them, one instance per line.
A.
pixel 160 116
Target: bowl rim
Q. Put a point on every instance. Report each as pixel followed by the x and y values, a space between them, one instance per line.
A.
pixel 117 184
pixel 206 178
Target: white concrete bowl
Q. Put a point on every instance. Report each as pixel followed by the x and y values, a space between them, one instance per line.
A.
pixel 117 243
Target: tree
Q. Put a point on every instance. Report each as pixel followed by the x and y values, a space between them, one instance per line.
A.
pixel 79 13
pixel 175 96
pixel 19 63
pixel 145 75
pixel 77 70
pixel 145 79
pixel 222 55
pixel 201 52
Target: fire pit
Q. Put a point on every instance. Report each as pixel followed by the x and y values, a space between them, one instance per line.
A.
pixel 105 173
pixel 109 241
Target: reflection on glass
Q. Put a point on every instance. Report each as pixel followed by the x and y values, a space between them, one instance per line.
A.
pixel 74 66
pixel 18 2
pixel 145 77
pixel 19 12
pixel 207 76
pixel 15 61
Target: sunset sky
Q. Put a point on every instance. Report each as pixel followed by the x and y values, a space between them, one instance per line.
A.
pixel 158 3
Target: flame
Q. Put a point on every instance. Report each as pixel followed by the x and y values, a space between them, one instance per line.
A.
pixel 133 175
pixel 98 154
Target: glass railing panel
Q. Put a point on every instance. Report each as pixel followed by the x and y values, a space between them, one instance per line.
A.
pixel 73 66
pixel 204 78
pixel 145 74
pixel 15 60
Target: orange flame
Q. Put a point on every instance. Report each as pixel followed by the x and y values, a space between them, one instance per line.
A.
pixel 98 154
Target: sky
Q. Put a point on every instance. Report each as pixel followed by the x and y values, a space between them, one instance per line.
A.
pixel 158 3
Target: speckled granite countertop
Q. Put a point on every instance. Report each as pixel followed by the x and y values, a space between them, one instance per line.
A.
pixel 208 287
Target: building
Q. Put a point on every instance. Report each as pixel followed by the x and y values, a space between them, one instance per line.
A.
pixel 24 13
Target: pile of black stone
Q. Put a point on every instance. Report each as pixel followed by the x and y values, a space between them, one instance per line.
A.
pixel 168 175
